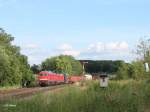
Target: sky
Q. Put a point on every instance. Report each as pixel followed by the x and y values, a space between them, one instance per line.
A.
pixel 85 29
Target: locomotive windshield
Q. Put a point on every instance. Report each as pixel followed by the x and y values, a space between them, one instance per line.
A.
pixel 43 74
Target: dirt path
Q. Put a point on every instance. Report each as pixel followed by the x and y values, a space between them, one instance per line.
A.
pixel 27 92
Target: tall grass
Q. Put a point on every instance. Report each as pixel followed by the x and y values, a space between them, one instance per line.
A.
pixel 120 96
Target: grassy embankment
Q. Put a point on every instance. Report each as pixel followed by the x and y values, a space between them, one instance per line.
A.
pixel 120 96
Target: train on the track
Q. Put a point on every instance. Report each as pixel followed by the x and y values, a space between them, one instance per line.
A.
pixel 49 78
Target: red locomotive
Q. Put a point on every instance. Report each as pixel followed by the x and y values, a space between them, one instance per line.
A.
pixel 50 78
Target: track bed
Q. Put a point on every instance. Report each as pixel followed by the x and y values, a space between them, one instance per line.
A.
pixel 27 92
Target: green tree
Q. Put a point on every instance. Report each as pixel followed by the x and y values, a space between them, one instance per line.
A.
pixel 13 66
pixel 5 72
pixel 136 70
pixel 63 64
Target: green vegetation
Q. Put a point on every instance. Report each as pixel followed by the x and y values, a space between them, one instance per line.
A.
pixel 120 96
pixel 63 64
pixel 13 65
pixel 136 69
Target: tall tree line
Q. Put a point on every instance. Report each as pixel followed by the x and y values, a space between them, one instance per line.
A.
pixel 14 67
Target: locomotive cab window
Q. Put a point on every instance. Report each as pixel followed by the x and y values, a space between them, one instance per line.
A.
pixel 43 74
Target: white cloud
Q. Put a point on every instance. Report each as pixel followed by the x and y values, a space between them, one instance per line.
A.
pixel 107 51
pixel 35 53
pixel 35 59
pixel 111 46
pixel 67 49
pixel 72 53
pixel 98 47
pixel 98 50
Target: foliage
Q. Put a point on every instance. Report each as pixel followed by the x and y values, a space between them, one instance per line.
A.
pixel 63 64
pixel 143 49
pixel 136 70
pixel 13 66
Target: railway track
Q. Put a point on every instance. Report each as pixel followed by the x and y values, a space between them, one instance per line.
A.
pixel 27 92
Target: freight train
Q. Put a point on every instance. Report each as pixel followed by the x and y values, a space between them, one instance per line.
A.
pixel 49 78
